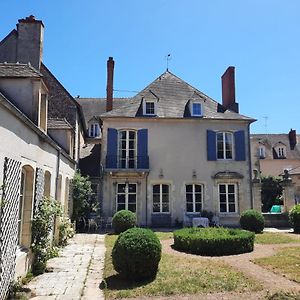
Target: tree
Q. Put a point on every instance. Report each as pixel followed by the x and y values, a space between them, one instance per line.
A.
pixel 271 192
pixel 81 194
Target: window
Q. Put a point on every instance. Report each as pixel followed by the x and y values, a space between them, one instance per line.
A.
pixel 262 152
pixel 126 196
pixel 94 130
pixel 149 108
pixel 281 152
pixel 21 207
pixel 193 194
pixel 227 197
pixel 127 149
pixel 196 109
pixel 160 198
pixel 224 145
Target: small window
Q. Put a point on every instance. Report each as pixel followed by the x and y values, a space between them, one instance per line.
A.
pixel 160 198
pixel 227 198
pixel 196 109
pixel 94 130
pixel 149 108
pixel 281 152
pixel 193 195
pixel 224 145
pixel 262 152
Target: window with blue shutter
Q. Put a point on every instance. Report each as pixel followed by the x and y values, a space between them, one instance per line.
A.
pixel 211 145
pixel 142 149
pixel 240 147
pixel 112 148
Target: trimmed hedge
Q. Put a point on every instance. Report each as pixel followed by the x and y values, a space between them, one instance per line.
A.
pixel 252 220
pixel 136 254
pixel 294 217
pixel 213 241
pixel 123 220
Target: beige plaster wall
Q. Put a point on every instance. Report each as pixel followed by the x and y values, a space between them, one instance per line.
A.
pixel 177 149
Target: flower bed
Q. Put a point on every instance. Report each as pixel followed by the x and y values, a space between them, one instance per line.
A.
pixel 213 241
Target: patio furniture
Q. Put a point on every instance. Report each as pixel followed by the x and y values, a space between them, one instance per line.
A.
pixel 200 222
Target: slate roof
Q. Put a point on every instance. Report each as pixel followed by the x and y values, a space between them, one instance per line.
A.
pixel 92 107
pixel 89 163
pixel 271 140
pixel 12 70
pixel 58 123
pixel 173 96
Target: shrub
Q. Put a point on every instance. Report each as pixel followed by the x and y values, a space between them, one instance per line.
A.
pixel 294 216
pixel 252 220
pixel 213 241
pixel 123 220
pixel 66 231
pixel 136 254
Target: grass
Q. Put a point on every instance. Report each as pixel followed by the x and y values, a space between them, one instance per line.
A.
pixel 285 262
pixel 164 235
pixel 190 276
pixel 275 238
pixel 283 296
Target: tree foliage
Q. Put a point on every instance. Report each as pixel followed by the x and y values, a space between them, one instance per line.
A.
pixel 271 192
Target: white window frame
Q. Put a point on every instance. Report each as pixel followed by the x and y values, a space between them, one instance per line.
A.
pixel 126 193
pixel 224 133
pixel 281 151
pixel 227 197
pixel 192 109
pixel 21 207
pixel 262 151
pixel 160 198
pixel 145 107
pixel 194 197
pixel 93 129
pixel 127 149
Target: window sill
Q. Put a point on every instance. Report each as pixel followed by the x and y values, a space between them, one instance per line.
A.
pixel 161 213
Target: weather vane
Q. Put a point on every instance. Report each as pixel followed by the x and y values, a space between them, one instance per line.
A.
pixel 168 58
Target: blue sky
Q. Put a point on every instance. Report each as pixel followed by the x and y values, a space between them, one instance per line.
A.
pixel 260 38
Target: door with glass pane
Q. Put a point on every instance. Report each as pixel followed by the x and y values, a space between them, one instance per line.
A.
pixel 127 149
pixel 126 196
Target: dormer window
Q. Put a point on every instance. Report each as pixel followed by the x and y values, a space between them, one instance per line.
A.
pixel 150 108
pixel 196 109
pixel 94 130
pixel 281 151
pixel 262 152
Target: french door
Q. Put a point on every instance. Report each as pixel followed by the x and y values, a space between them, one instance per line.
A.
pixel 127 149
pixel 126 196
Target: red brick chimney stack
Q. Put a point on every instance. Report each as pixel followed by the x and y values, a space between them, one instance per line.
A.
pixel 110 84
pixel 228 90
pixel 293 138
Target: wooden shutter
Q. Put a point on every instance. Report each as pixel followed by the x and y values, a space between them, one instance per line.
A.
pixel 240 147
pixel 142 149
pixel 211 145
pixel 112 148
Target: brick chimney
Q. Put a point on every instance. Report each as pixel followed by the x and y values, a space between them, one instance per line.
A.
pixel 228 90
pixel 30 41
pixel 110 84
pixel 292 138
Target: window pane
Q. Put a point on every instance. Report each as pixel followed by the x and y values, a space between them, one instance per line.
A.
pixel 131 198
pixel 165 207
pixel 132 207
pixel 131 135
pixel 230 188
pixel 189 197
pixel 131 163
pixel 197 109
pixel 222 207
pixel 131 188
pixel 121 198
pixel 156 189
pixel 120 207
pixel 156 207
pixel 198 207
pixel 165 188
pixel 123 135
pixel 189 207
pixel 189 188
pixel 121 188
pixel 198 188
pixel 165 198
pixel 222 198
pixel 156 198
pixel 222 188
pixel 231 207
pixel 198 197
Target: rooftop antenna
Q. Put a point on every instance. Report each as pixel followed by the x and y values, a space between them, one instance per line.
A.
pixel 266 123
pixel 168 58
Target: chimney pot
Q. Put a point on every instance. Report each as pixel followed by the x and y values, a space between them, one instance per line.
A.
pixel 292 138
pixel 110 83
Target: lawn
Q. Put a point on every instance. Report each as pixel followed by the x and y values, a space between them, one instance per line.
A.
pixel 275 238
pixel 286 261
pixel 177 275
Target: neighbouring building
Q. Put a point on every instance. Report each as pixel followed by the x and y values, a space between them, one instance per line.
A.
pixel 40 133
pixel 171 151
pixel 274 153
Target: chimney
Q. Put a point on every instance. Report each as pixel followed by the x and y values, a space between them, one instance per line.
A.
pixel 292 138
pixel 30 41
pixel 228 90
pixel 110 84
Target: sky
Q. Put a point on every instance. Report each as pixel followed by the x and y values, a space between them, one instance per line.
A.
pixel 260 38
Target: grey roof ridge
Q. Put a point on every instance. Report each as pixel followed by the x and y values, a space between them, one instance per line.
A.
pixel 38 73
pixel 98 98
pixel 14 31
pixel 19 114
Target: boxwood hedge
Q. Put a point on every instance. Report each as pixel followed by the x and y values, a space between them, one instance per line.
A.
pixel 213 241
pixel 123 220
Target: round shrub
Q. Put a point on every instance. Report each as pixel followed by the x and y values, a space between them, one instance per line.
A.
pixel 213 241
pixel 136 254
pixel 123 220
pixel 252 220
pixel 294 216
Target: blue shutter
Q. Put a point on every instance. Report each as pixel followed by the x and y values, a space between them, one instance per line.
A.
pixel 240 147
pixel 112 148
pixel 142 149
pixel 211 145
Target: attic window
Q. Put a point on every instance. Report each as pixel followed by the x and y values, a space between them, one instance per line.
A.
pixel 280 152
pixel 262 152
pixel 94 130
pixel 149 108
pixel 196 109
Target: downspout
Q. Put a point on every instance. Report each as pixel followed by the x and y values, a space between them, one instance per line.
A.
pixel 250 168
pixel 57 173
pixel 147 199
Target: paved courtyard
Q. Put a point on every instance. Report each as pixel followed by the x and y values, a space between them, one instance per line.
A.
pixel 75 274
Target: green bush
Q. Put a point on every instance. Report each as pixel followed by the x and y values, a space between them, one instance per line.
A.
pixel 294 216
pixel 136 254
pixel 123 220
pixel 252 220
pixel 213 241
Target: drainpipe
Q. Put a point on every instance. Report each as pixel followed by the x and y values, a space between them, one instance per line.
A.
pixel 147 199
pixel 57 173
pixel 250 168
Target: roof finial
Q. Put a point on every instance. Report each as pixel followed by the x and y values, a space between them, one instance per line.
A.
pixel 168 58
